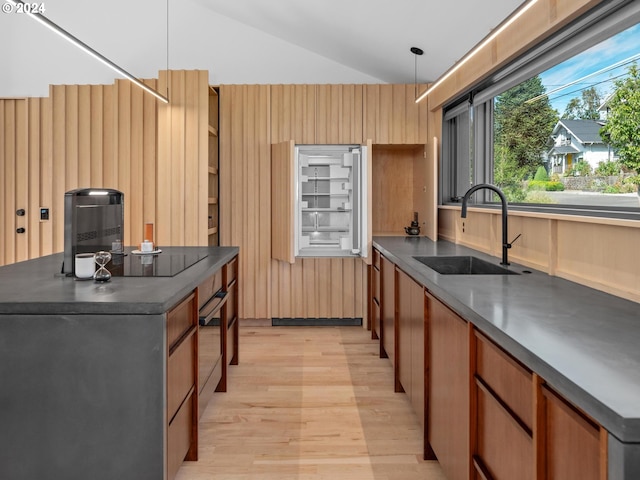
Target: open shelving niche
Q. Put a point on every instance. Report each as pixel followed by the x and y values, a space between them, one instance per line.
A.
pixel 213 166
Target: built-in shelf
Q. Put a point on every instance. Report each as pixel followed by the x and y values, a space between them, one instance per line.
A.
pixel 213 168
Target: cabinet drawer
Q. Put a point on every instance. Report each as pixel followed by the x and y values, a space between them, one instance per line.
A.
pixel 210 286
pixel 510 381
pixel 376 259
pixel 180 319
pixel 504 449
pixel 572 441
pixel 232 271
pixel 179 437
pixel 181 374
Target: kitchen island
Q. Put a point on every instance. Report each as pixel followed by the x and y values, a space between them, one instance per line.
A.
pixel 579 342
pixel 84 369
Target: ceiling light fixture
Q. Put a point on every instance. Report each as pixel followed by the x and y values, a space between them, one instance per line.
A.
pixel 87 49
pixel 416 52
pixel 508 21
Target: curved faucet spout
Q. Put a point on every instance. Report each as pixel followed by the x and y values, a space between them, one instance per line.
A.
pixel 503 200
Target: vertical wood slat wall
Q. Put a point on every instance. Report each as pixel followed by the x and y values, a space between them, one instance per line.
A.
pixel 149 151
pixel 252 118
pixel 104 136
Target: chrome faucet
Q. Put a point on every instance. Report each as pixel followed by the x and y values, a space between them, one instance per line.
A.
pixel 505 243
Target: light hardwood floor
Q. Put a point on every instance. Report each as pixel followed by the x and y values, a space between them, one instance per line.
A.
pixel 310 403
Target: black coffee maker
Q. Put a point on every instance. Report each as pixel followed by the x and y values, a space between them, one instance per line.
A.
pixel 93 220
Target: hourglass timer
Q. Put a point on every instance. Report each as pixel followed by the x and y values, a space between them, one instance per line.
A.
pixel 102 274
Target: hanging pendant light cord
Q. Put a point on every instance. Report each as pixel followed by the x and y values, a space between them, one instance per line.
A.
pixel 416 51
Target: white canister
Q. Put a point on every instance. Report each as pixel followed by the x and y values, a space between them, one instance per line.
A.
pixel 146 246
pixel 85 265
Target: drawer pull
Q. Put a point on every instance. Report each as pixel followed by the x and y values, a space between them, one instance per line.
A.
pixel 212 307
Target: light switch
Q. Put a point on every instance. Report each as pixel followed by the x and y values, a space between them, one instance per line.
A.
pixel 44 214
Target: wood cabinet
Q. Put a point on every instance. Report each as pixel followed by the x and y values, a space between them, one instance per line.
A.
pixel 388 310
pixel 486 415
pixel 571 445
pixel 231 351
pixel 501 415
pixel 398 187
pixel 374 304
pixel 218 329
pixel 411 341
pixel 182 392
pixel 448 390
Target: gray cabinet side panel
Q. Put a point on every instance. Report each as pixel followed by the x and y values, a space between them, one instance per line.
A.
pixel 82 397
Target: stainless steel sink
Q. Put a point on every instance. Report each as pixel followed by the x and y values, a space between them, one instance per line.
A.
pixel 463 265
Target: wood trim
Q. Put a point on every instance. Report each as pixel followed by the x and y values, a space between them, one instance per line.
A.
pixel 283 201
pixel 539 429
pixel 473 393
pixel 604 454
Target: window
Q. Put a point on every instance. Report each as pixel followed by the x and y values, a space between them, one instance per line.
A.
pixel 552 129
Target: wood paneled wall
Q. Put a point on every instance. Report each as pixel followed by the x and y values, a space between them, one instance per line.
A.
pixel 391 115
pixel 105 136
pixel 255 117
pixel 245 191
pixel 182 162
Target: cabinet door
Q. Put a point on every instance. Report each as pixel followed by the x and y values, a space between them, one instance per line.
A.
pixel 418 344
pixel 282 202
pixel 403 330
pixel 388 309
pixel 375 296
pixel 502 415
pixel 411 341
pixel 573 448
pixel 448 391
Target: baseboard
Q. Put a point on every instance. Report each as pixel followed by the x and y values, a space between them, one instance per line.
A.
pixel 254 322
pixel 316 322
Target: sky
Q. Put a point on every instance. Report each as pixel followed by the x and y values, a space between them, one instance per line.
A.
pixel 620 47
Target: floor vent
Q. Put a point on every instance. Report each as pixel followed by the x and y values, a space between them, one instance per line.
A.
pixel 316 322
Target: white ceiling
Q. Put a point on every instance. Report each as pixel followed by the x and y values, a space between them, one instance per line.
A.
pixel 374 36
pixel 245 41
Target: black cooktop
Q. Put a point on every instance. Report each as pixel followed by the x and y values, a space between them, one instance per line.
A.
pixel 156 265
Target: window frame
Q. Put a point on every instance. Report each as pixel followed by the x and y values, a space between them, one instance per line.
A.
pixel 598 24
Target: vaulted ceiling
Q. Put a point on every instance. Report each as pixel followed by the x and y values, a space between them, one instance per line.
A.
pixel 246 41
pixel 374 36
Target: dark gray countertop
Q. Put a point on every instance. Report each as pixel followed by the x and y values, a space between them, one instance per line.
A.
pixel 583 342
pixel 36 287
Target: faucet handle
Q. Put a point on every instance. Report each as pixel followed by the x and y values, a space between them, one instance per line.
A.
pixel 508 245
